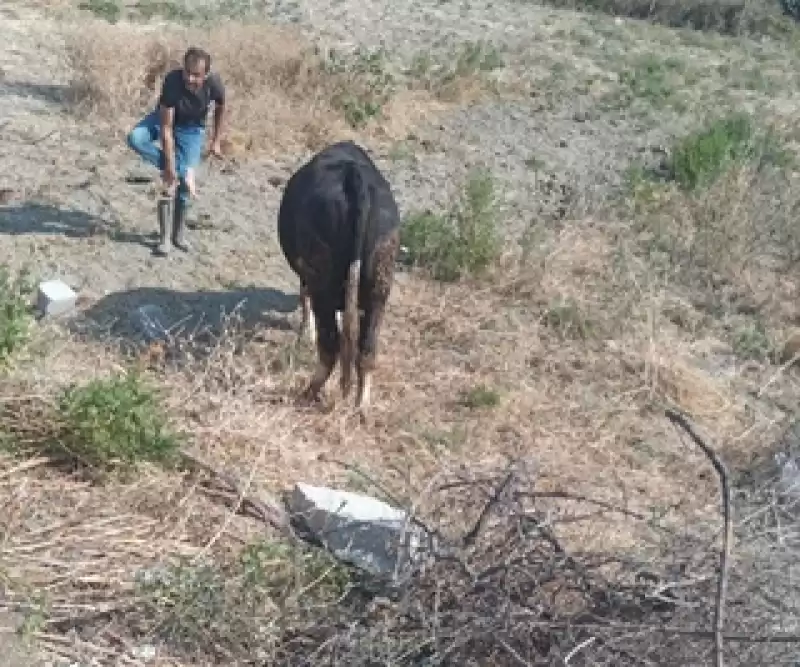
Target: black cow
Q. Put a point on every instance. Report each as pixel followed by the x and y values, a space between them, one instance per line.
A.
pixel 339 228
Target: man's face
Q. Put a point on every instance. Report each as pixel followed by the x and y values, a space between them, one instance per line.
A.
pixel 194 74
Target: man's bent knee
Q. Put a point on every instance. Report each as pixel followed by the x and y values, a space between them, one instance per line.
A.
pixel 137 138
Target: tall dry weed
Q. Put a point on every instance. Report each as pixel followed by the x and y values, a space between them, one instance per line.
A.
pixel 284 95
pixel 279 95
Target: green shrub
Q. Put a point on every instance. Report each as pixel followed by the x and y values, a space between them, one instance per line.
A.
pixel 703 156
pixel 463 240
pixel 114 424
pixel 16 316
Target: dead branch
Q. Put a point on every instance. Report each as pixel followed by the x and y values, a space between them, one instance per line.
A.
pixel 565 495
pixel 683 422
pixel 656 629
pixel 470 536
pixel 268 510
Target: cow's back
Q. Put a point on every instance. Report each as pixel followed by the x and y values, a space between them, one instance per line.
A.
pixel 316 212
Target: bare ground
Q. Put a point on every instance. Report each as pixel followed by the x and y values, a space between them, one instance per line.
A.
pixel 581 407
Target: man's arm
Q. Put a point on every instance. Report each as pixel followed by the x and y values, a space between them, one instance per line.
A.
pixel 219 115
pixel 218 95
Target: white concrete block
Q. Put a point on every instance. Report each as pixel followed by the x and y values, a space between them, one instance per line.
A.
pixel 55 298
pixel 358 529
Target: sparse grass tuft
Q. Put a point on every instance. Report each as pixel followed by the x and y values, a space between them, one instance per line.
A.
pixel 228 609
pixel 167 9
pixel 113 424
pixel 751 341
pixel 16 317
pixel 460 241
pixel 367 84
pixel 481 396
pixel 652 79
pixel 108 10
pixel 567 320
pixel 447 75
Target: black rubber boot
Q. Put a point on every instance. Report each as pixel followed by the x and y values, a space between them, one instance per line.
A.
pixel 165 231
pixel 179 226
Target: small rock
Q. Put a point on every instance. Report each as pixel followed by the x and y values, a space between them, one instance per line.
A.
pixel 144 652
pixel 356 528
pixel 562 143
pixel 580 116
pixel 55 298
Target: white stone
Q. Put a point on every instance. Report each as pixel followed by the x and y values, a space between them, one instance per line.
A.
pixel 145 652
pixel 55 298
pixel 358 529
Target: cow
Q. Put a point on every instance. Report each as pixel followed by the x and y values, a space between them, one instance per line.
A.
pixel 339 229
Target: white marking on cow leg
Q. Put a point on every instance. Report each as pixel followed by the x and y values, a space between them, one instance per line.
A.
pixel 339 319
pixel 364 386
pixel 309 323
pixel 310 328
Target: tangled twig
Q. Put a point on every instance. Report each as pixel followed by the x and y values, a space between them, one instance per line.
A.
pixel 719 612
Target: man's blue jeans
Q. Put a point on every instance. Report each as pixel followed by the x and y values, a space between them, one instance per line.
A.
pixel 188 147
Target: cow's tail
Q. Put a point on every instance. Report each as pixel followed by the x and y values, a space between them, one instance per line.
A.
pixel 359 201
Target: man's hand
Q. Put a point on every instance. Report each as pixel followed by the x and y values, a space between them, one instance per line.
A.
pixel 215 148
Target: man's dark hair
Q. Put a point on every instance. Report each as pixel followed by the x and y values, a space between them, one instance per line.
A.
pixel 195 53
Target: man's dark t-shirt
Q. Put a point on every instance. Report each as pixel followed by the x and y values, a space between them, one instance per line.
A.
pixel 191 108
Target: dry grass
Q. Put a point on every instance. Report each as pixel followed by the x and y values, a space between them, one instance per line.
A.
pixel 730 17
pixel 581 410
pixel 579 347
pixel 279 95
pixel 284 95
pixel 568 355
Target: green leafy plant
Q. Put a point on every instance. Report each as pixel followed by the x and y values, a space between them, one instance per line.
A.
pixel 463 240
pixel 16 317
pixel 114 424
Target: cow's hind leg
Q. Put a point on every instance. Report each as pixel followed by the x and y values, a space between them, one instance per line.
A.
pixel 367 351
pixel 377 295
pixel 309 327
pixel 327 349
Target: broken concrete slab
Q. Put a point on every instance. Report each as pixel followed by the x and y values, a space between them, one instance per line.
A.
pixel 358 529
pixel 55 298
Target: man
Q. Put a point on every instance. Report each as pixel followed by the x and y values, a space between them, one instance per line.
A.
pixel 179 122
